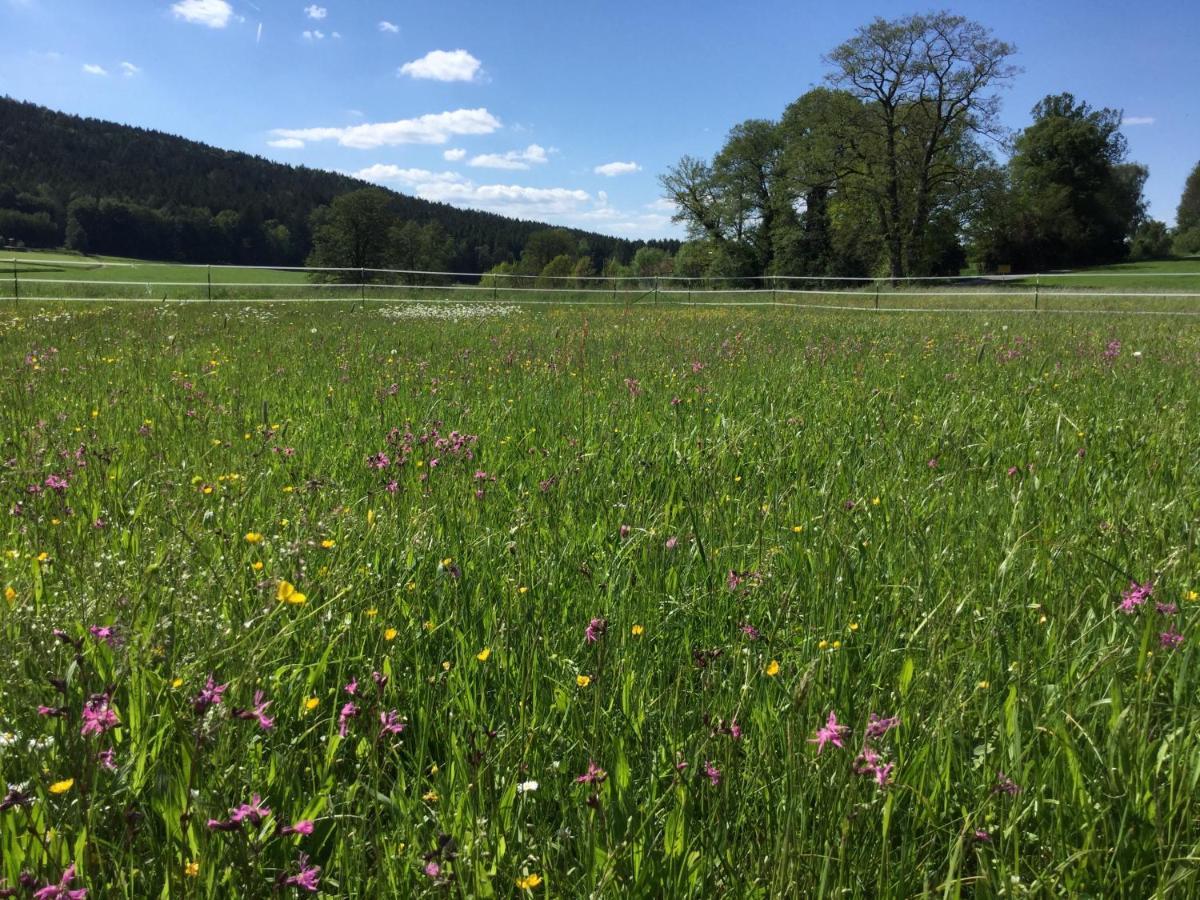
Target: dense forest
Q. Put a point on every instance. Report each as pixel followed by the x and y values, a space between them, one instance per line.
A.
pixel 100 187
pixel 898 166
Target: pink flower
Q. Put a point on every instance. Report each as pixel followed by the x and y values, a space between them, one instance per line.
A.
pixel 254 812
pixel 1170 639
pixel 107 759
pixel 877 726
pixel 595 630
pixel 830 733
pixel 712 773
pixel 62 891
pixel 352 687
pixel 671 542
pixel 349 711
pixel 624 531
pixel 432 869
pixel 210 695
pixel 304 826
pixel 1135 596
pixel 97 716
pixel 258 712
pixel 389 723
pixel 105 633
pixel 1005 785
pixel 307 879
pixel 593 775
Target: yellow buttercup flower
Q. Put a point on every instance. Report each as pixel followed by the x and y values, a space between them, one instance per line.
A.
pixel 1193 596
pixel 311 703
pixel 253 537
pixel 287 593
pixel 327 544
pixel 390 634
pixel 9 594
pixel 483 654
pixel 257 565
pixel 192 869
pixel 529 882
pixel 176 683
pixel 61 787
pixel 772 668
pixel 583 680
pixel 823 645
pixel 372 613
pixel 430 797
pixel 637 630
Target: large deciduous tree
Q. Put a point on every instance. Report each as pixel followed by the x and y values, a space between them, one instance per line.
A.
pixel 924 83
pixel 1187 216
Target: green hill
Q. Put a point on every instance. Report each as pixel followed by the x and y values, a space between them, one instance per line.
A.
pixel 113 189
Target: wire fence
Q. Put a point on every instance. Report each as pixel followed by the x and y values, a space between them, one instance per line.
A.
pixel 1150 293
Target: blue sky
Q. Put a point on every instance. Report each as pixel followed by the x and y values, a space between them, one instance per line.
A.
pixel 559 111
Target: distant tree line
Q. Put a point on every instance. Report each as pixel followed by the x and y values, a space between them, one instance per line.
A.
pixel 891 169
pixel 104 188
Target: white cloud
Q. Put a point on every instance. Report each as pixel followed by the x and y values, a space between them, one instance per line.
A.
pixel 337 35
pixel 213 13
pixel 313 35
pixel 454 154
pixel 443 65
pixel 617 168
pixel 432 128
pixel 662 204
pixel 316 12
pixel 129 69
pixel 286 144
pixel 513 159
pixel 92 69
pixel 507 199
pixel 1138 120
pixel 388 28
pixel 258 34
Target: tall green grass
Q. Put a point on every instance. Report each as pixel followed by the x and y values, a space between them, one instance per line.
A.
pixel 777 514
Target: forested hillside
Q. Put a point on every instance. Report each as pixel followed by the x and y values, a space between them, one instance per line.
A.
pixel 101 187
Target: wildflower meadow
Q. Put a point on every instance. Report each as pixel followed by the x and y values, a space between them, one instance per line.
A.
pixel 347 600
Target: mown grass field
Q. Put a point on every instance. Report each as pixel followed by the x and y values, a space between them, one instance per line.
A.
pixel 559 602
pixel 1164 286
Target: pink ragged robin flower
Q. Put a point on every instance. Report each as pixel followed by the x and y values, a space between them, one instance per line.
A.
pixel 308 877
pixel 877 726
pixel 390 723
pixel 210 695
pixel 1005 785
pixel 258 712
pixel 349 711
pixel 1135 596
pixel 595 630
pixel 304 826
pixel 593 775
pixel 352 687
pixel 98 717
pixel 671 542
pixel 712 773
pixel 62 890
pixel 830 733
pixel 253 812
pixel 1170 639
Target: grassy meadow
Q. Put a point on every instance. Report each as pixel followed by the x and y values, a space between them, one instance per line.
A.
pixel 490 600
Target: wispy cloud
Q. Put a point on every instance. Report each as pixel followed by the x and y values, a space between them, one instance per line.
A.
pixel 617 168
pixel 443 65
pixel 313 35
pixel 213 13
pixel 508 199
pixel 316 12
pixel 513 159
pixel 286 144
pixel 129 69
pixel 258 34
pixel 1138 120
pixel 454 154
pixel 93 69
pixel 388 28
pixel 432 128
